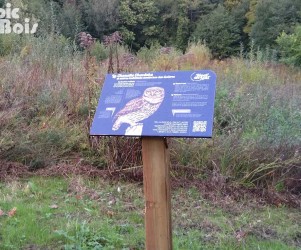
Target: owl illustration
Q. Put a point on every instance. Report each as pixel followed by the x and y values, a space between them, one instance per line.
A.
pixel 140 108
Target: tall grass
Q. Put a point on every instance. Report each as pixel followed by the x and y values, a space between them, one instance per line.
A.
pixel 44 110
pixel 43 102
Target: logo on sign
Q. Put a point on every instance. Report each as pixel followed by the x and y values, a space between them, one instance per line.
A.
pixel 8 22
pixel 200 77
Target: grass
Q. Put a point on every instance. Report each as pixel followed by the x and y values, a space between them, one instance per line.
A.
pixel 50 214
pixel 48 89
pixel 81 213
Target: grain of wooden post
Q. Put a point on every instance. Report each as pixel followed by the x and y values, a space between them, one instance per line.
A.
pixel 157 194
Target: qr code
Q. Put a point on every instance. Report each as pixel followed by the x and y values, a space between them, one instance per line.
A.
pixel 199 126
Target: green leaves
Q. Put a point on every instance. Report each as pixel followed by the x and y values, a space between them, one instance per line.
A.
pixel 100 16
pixel 138 21
pixel 290 46
pixel 220 32
pixel 273 17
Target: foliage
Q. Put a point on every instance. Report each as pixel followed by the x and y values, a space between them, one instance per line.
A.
pixel 99 51
pixel 47 13
pixel 165 60
pixel 70 20
pixel 38 106
pixel 183 25
pixel 7 44
pixel 138 22
pixel 43 122
pixel 250 16
pixel 148 55
pixel 169 23
pixel 200 50
pixel 290 46
pixel 54 113
pixel 99 16
pixel 45 105
pixel 220 32
pixel 178 19
pixel 272 18
pixel 239 10
pixel 230 4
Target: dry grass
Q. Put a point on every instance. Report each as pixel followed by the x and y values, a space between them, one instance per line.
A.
pixel 50 91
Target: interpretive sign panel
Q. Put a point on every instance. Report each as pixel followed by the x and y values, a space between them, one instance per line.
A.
pixel 175 103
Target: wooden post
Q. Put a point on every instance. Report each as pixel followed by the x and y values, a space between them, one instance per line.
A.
pixel 156 174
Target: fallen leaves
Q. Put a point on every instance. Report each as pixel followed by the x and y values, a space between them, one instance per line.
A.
pixel 110 213
pixel 11 213
pixel 241 235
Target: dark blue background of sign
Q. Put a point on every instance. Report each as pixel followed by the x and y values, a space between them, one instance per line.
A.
pixel 103 126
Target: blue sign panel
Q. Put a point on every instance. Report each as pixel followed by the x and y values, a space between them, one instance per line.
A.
pixel 177 104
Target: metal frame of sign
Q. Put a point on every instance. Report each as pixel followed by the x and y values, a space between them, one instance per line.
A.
pixel 157 104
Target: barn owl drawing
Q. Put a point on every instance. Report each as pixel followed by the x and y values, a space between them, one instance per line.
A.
pixel 139 109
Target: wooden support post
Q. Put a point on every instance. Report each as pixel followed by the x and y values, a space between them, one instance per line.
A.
pixel 156 174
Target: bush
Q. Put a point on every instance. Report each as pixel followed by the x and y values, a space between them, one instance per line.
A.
pixel 220 32
pixel 197 55
pixel 99 51
pixel 148 55
pixel 290 46
pixel 44 111
pixel 9 44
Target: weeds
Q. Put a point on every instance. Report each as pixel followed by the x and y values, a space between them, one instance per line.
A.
pixel 80 213
pixel 84 238
pixel 47 99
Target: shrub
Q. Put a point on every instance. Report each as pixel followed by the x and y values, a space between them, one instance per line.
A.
pixel 99 51
pixel 44 111
pixel 220 31
pixel 9 44
pixel 290 47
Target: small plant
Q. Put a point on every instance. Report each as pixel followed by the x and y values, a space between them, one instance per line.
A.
pixel 166 60
pixel 290 47
pixel 85 238
pixel 148 55
pixel 197 55
pixel 99 51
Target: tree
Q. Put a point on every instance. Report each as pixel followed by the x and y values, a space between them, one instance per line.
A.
pixel 230 4
pixel 238 10
pixel 47 13
pixel 290 46
pixel 220 32
pixel 182 33
pixel 70 20
pixel 100 16
pixel 138 22
pixel 250 16
pixel 177 19
pixel 167 24
pixel 271 18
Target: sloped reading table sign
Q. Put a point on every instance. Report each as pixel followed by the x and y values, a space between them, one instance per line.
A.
pixel 155 105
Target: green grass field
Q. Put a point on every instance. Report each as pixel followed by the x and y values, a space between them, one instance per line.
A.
pixel 80 213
